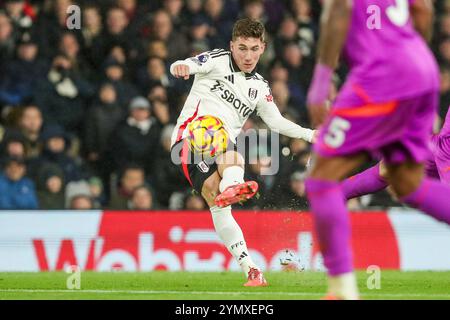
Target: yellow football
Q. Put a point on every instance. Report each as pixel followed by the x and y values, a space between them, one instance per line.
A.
pixel 207 136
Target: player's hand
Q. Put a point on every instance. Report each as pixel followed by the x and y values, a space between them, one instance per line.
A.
pixel 181 71
pixel 317 114
pixel 315 136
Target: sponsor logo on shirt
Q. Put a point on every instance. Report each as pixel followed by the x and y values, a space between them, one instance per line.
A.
pixel 252 93
pixel 232 99
pixel 203 167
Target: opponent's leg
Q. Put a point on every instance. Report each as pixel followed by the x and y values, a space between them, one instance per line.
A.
pixel 232 187
pixel 366 182
pixel 332 223
pixel 230 233
pixel 413 188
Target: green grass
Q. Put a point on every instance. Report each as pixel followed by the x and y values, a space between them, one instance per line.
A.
pixel 210 286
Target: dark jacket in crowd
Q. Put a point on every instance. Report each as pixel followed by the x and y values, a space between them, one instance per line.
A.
pixel 128 144
pixel 47 199
pixel 100 122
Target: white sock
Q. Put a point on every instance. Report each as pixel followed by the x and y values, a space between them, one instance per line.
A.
pixel 231 235
pixel 343 286
pixel 231 176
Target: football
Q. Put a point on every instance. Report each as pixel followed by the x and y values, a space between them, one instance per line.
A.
pixel 207 136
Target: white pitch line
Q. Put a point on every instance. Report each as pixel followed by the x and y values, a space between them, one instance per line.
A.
pixel 393 295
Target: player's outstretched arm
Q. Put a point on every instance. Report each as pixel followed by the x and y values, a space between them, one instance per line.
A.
pixel 202 63
pixel 335 21
pixel 269 113
pixel 422 13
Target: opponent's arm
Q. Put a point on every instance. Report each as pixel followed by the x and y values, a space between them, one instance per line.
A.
pixel 334 25
pixel 422 13
pixel 269 113
pixel 199 64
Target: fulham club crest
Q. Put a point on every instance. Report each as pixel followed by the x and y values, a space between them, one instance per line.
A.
pixel 252 93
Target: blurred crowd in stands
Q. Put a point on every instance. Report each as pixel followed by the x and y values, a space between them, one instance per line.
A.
pixel 87 114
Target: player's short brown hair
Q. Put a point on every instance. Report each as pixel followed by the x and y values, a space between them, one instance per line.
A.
pixel 248 28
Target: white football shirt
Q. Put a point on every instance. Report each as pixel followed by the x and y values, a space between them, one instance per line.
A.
pixel 222 90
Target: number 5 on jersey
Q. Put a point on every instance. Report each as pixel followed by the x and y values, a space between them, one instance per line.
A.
pixel 335 136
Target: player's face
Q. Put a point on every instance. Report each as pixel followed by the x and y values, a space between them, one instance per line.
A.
pixel 246 52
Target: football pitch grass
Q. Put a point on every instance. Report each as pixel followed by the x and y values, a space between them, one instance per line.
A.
pixel 215 286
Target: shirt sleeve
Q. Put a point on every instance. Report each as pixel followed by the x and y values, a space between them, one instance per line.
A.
pixel 269 113
pixel 202 63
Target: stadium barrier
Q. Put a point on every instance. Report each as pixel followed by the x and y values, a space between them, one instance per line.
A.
pixel 167 240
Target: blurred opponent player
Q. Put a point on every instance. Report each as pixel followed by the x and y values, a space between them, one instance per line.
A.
pixel 375 178
pixel 385 110
pixel 226 86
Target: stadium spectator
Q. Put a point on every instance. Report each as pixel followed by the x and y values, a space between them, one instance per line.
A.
pixel 7 39
pixel 287 33
pixel 157 48
pixel 136 139
pixel 62 97
pixel 174 9
pixel 50 188
pixel 114 72
pixel 158 92
pixel 281 97
pixel 69 46
pixel 51 21
pixel 192 9
pixel 299 69
pixel 254 9
pixel 97 192
pixel 275 11
pixel 92 27
pixel 194 202
pixel 132 177
pixel 13 145
pixel 162 29
pixel 307 29
pixel 115 33
pixel 199 33
pixel 297 194
pixel 141 199
pixel 259 162
pixel 20 76
pixel 221 15
pixel 161 111
pixel 30 125
pixel 16 190
pixel 167 177
pixel 132 12
pixel 153 74
pixel 56 144
pixel 74 189
pixel 102 117
pixel 81 202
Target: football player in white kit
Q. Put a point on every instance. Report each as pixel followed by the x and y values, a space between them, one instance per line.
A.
pixel 227 87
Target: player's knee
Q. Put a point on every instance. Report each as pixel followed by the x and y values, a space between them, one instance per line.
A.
pixel 404 185
pixel 405 178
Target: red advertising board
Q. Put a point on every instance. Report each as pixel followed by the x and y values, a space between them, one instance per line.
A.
pixel 168 240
